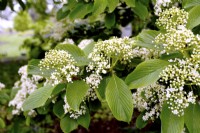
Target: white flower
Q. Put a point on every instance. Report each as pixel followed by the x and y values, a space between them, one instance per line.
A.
pixel 2 86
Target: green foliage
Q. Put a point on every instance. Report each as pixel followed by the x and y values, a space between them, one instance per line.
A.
pixel 110 20
pixel 192 118
pixel 80 11
pixel 194 17
pixel 58 109
pixel 170 122
pixel 146 38
pixel 141 10
pixel 119 99
pixel 67 124
pixel 38 98
pixel 112 4
pixel 75 93
pixel 190 3
pixel 146 73
pixel 140 123
pixel 22 21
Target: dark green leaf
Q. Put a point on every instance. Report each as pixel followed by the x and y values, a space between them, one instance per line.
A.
pixel 130 3
pixel 61 14
pixel 140 123
pixel 112 4
pixel 171 123
pixel 99 7
pixel 192 118
pixel 58 89
pixel 58 109
pixel 37 98
pixel 110 20
pixel 194 17
pixel 146 73
pixel 84 120
pixel 75 93
pixel 141 10
pixel 68 124
pixel 119 99
pixel 80 11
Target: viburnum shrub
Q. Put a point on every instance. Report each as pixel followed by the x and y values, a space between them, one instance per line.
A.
pixel 156 72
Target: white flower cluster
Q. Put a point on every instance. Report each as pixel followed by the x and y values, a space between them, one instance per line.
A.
pixel 26 86
pixel 172 18
pixel 178 100
pixel 93 80
pixel 177 39
pixel 62 65
pixel 144 53
pixel 73 114
pixel 176 76
pixel 2 86
pixel 150 100
pixel 160 5
pixel 184 72
pixel 107 53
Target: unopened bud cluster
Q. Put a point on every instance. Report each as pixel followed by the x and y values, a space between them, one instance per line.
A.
pixel 107 53
pixel 171 18
pixel 62 65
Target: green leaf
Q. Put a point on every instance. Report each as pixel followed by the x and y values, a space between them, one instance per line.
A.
pixel 99 7
pixel 112 4
pixel 37 98
pixel 146 73
pixel 146 38
pixel 84 120
pixel 58 89
pixel 68 124
pixel 119 99
pixel 80 11
pixel 192 118
pixel 58 109
pixel 75 93
pixel 74 50
pixel 100 91
pixel 34 69
pixel 82 61
pixel 171 123
pixel 141 10
pixel 2 123
pixel 61 14
pixel 88 49
pixel 131 3
pixel 70 4
pixel 190 3
pixel 110 20
pixel 194 17
pixel 140 123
